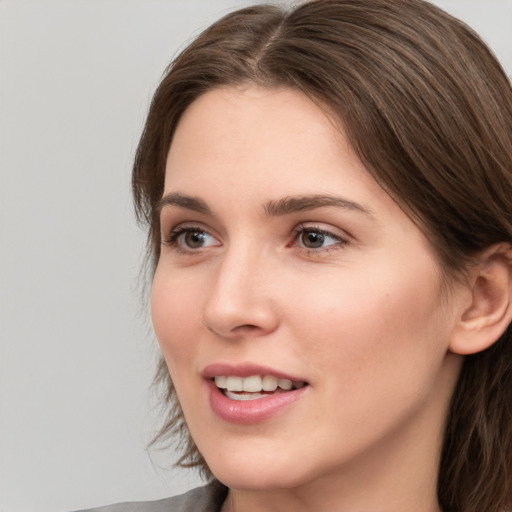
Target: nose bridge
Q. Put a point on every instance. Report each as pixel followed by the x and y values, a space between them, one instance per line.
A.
pixel 239 298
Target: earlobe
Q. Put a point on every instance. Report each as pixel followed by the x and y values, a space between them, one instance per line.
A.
pixel 490 311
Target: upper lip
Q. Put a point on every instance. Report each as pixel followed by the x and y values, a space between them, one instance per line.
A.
pixel 245 370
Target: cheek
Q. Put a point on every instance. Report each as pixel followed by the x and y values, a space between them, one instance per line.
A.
pixel 381 323
pixel 174 315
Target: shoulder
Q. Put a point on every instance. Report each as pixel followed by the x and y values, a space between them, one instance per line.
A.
pixel 208 498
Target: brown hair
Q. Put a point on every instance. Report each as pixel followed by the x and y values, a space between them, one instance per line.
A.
pixel 428 109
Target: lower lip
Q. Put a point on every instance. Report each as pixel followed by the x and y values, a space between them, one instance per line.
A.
pixel 250 411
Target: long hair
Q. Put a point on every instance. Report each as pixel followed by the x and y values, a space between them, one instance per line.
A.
pixel 428 109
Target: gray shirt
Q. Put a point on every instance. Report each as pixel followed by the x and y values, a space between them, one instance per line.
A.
pixel 202 499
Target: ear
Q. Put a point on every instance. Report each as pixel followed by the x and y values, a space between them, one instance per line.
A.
pixel 490 311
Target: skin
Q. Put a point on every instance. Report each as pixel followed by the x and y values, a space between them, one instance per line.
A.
pixel 362 317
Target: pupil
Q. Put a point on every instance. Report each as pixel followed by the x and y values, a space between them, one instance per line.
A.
pixel 312 239
pixel 194 239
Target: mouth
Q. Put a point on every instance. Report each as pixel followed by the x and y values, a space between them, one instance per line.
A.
pixel 254 387
pixel 249 394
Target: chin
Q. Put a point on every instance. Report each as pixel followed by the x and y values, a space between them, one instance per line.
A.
pixel 260 473
pixel 256 480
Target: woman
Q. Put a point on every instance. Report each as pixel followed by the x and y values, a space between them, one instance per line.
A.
pixel 328 195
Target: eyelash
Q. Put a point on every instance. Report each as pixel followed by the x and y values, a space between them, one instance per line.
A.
pixel 172 239
pixel 302 229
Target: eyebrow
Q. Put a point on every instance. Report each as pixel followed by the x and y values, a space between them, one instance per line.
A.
pixel 289 205
pixel 187 202
pixel 284 206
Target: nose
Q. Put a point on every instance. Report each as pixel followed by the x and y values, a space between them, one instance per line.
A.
pixel 241 301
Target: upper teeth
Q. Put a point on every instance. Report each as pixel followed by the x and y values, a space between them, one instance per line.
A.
pixel 255 383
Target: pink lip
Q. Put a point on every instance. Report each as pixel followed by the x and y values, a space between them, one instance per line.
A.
pixel 248 411
pixel 244 370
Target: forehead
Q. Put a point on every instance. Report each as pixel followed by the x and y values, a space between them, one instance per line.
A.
pixel 269 110
pixel 254 130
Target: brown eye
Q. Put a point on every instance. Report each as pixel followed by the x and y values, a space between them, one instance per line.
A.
pixel 190 238
pixel 194 239
pixel 315 238
pixel 312 239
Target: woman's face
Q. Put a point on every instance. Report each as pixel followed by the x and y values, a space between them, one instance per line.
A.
pixel 285 264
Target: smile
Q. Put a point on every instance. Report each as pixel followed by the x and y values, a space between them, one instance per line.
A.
pixel 249 393
pixel 254 387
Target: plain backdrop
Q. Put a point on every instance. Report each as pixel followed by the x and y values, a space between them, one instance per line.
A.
pixel 76 350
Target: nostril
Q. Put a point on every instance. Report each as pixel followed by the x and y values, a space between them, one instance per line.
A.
pixel 245 328
pixel 239 329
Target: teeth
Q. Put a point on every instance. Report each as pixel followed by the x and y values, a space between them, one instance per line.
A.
pixel 285 384
pixel 269 383
pixel 234 383
pixel 252 384
pixel 244 397
pixel 256 383
pixel 221 381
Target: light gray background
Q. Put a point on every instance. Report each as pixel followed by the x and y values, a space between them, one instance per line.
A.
pixel 76 350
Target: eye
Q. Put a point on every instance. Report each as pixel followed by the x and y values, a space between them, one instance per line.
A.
pixel 190 238
pixel 316 238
